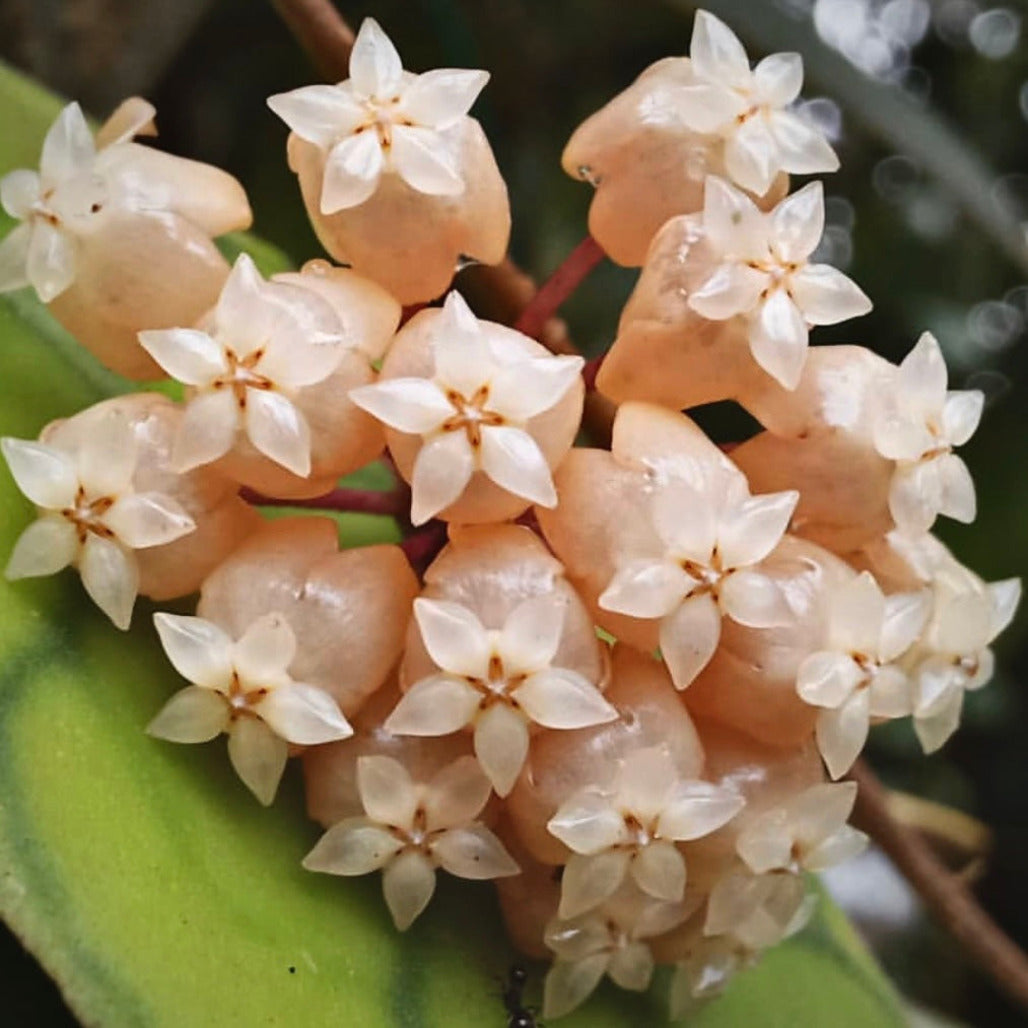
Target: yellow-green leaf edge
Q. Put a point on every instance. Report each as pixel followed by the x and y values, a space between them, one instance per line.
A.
pixel 157 893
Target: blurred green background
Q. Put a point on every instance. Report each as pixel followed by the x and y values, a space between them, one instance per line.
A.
pixel 927 104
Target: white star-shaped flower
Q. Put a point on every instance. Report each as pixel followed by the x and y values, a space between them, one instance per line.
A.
pixel 383 120
pixel 472 413
pixel 243 688
pixel 762 273
pixel 56 204
pixel 807 832
pixel 706 570
pixel 747 108
pixel 244 373
pixel 759 910
pixel 632 830
pixel 859 676
pixel 90 515
pixel 498 682
pixel 917 424
pixel 410 829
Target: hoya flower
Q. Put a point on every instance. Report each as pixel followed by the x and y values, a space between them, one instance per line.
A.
pixel 496 681
pixel 748 108
pixel 711 544
pixel 396 149
pixel 99 212
pixel 632 830
pixel 760 269
pixel 245 372
pixel 467 400
pixel 243 688
pixel 759 910
pixel 806 832
pixel 858 676
pixel 410 829
pixel 918 425
pixel 90 514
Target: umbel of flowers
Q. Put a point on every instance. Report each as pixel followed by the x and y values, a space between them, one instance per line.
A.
pixel 627 686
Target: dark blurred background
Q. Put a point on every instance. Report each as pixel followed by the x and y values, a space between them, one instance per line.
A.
pixel 927 104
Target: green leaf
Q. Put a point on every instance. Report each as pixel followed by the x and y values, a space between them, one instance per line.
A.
pixel 151 886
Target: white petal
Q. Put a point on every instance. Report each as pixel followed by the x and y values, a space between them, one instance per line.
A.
pixel 558 698
pixel 645 781
pixel 569 983
pixel 244 314
pixel 425 161
pixel 659 870
pixel 501 745
pixel 843 845
pixel 522 390
pixel 707 107
pixel 777 79
pixel 352 172
pixel 513 460
pixel 587 823
pixel 264 651
pixel 463 360
pixel 437 705
pixel 441 97
pixel 19 190
pixel 50 262
pixel 320 114
pixel 750 530
pixel 454 637
pixel 258 755
pixel 407 884
pixel 473 852
pixel 442 470
pixel 198 649
pixel 631 966
pixel 934 682
pixel 801 149
pixel 386 790
pixel 732 289
pixel 47 546
pixel 818 812
pixel 716 53
pixel 147 519
pixel 293 363
pixel 826 679
pixel 14 257
pixel 193 714
pixel 922 376
pixel 961 414
pixel 685 520
pixel 689 637
pixel 375 67
pixel 958 495
pixel 531 634
pixel 751 156
pixel 352 847
pixel 916 496
pixel 755 600
pixel 107 462
pixel 456 794
pixel 278 429
pixel 903 621
pixel 187 354
pixel 825 296
pixel 798 221
pixel 45 475
pixel 303 714
pixel 933 731
pixel 841 733
pixel 68 147
pixel 647 589
pixel 111 577
pixel 778 339
pixel 766 842
pixel 697 809
pixel 1005 596
pixel 589 880
pixel 414 405
pixel 857 613
pixel 133 117
pixel 207 430
pixel 732 222
pixel 891 694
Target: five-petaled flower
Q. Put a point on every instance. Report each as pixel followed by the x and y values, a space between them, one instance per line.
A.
pixel 761 271
pixel 917 424
pixel 260 350
pixel 705 571
pixel 412 828
pixel 383 120
pixel 857 676
pixel 473 412
pixel 90 514
pixel 497 681
pixel 747 108
pixel 244 689
pixel 632 830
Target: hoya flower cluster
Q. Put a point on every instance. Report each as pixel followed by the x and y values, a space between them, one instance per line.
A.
pixel 628 685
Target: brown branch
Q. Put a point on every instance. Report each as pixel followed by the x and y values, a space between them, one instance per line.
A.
pixel 322 32
pixel 943 893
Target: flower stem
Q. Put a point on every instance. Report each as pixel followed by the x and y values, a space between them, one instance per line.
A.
pixel 561 285
pixel 322 32
pixel 354 501
pixel 943 893
pixel 424 544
